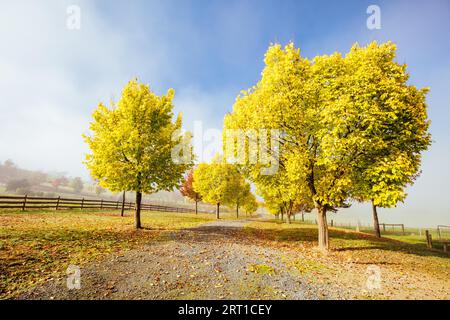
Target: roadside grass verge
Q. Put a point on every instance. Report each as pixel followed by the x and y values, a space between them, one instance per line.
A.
pixel 409 269
pixel 39 245
pixel 343 238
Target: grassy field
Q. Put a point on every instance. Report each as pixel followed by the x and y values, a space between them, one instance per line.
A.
pixel 409 269
pixel 37 245
pixel 412 235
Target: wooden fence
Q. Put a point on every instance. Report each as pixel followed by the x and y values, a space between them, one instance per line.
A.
pixel 393 225
pixel 441 229
pixel 430 241
pixel 27 202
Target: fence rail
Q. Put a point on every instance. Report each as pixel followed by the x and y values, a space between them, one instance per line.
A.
pixel 393 225
pixel 442 229
pixel 57 203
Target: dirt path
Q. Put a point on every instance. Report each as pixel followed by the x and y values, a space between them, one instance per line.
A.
pixel 207 262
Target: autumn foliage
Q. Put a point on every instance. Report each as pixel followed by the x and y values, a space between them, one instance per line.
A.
pixel 187 189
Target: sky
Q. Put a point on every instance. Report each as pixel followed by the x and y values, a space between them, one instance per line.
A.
pixel 52 76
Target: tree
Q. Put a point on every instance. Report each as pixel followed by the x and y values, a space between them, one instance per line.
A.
pixel 239 189
pixel 303 207
pixel 187 189
pixel 398 127
pixel 134 144
pixel 212 182
pixel 8 171
pixel 56 183
pixel 278 192
pixel 9 164
pixel 250 204
pixel 77 185
pixel 18 184
pixel 99 190
pixel 60 181
pixel 384 181
pixel 326 119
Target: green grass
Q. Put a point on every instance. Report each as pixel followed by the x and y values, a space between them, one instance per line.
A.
pixel 38 245
pixel 306 266
pixel 261 269
pixel 412 235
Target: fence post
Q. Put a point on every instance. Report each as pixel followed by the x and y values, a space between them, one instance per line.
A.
pixel 101 203
pixel 57 202
pixel 24 202
pixel 429 240
pixel 82 203
pixel 439 232
pixel 403 229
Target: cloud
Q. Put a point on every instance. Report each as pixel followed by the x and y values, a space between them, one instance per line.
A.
pixel 51 78
pixel 203 116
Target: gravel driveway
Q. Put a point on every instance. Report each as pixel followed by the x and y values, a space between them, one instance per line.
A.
pixel 207 262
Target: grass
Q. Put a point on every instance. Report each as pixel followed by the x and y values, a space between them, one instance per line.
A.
pixel 403 259
pixel 38 245
pixel 306 266
pixel 412 235
pixel 342 238
pixel 261 269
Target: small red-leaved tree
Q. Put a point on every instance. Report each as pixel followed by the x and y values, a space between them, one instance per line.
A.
pixel 188 191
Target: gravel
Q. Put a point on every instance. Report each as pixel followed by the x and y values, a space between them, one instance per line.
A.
pixel 207 262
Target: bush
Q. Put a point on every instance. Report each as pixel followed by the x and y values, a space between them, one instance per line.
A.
pixel 24 191
pixel 18 185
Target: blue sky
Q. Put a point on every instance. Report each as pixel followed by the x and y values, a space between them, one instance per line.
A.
pixel 51 78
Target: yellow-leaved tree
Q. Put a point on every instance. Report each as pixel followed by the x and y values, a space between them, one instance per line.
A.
pixel 219 183
pixel 393 117
pixel 239 191
pixel 132 144
pixel 250 204
pixel 337 115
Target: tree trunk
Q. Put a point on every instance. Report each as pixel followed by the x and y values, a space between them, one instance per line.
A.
pixel 323 228
pixel 138 210
pixel 217 211
pixel 376 224
pixel 123 204
pixel 303 217
pixel 196 207
pixel 289 211
pixel 237 211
